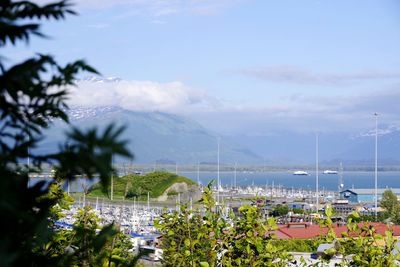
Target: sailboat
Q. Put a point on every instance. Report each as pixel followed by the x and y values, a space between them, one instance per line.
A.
pixel 341 183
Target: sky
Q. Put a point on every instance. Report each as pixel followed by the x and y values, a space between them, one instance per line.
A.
pixel 238 66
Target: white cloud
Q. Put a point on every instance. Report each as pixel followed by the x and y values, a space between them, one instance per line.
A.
pixel 297 113
pixel 160 7
pixel 307 114
pixel 139 95
pixel 297 75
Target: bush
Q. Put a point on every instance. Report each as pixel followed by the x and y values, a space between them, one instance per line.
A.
pixel 211 238
pixel 33 96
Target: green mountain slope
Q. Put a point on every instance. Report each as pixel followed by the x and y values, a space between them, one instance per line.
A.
pixel 134 185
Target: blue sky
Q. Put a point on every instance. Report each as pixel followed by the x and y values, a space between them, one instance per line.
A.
pixel 256 66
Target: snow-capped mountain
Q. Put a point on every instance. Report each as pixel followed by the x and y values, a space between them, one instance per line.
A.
pixel 382 131
pixel 97 79
pixel 82 113
pixel 155 136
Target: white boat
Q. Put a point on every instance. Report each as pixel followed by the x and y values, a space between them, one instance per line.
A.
pixel 300 173
pixel 330 172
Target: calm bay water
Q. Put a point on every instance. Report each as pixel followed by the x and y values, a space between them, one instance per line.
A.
pixel 287 179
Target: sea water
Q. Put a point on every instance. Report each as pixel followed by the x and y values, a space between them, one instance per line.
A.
pixel 351 179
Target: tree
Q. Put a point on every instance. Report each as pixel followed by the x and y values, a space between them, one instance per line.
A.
pixel 360 246
pixel 389 201
pixel 33 95
pixel 192 238
pixel 392 206
pixel 252 241
pixel 86 244
pixel 298 211
pixel 280 210
pixel 209 237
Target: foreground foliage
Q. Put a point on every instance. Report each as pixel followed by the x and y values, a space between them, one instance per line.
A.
pixel 33 95
pixel 391 205
pixel 211 237
pixel 87 243
pixel 368 248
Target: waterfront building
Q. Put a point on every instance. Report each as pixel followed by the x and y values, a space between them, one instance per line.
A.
pixel 365 195
pixel 344 208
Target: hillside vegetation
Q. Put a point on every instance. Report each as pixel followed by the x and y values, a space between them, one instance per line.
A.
pixel 135 185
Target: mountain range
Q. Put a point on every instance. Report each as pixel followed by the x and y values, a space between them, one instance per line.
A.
pixel 168 138
pixel 155 136
pixel 160 137
pixel 356 149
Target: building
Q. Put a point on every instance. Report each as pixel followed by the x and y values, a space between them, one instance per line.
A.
pixel 299 205
pixel 343 207
pixel 365 195
pixel 307 230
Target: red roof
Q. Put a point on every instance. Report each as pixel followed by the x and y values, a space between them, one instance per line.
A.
pixel 309 231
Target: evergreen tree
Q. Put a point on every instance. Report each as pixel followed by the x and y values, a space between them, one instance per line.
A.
pixel 33 95
pixel 392 206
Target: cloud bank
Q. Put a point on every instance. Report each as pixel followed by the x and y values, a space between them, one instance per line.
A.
pixel 297 75
pixel 138 95
pixel 296 113
pixel 307 114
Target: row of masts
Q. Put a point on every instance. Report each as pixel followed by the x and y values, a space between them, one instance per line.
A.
pixel 82 201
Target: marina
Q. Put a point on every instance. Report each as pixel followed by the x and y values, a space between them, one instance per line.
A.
pixel 349 179
pixel 266 190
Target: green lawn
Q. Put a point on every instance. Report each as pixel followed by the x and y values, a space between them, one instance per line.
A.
pixel 134 185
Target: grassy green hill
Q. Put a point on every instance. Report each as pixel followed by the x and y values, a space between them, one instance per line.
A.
pixel 135 185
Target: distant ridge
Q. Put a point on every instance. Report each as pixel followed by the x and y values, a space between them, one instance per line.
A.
pixel 352 149
pixel 156 136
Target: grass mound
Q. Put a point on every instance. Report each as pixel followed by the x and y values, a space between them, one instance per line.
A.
pixel 134 185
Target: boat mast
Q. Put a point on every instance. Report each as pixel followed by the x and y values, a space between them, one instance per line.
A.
pixel 148 201
pixel 234 176
pixel 316 171
pixel 84 192
pixel 28 162
pixel 198 173
pixel 112 177
pixel 341 184
pixel 376 165
pixel 68 188
pixel 218 181
pixel 179 202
